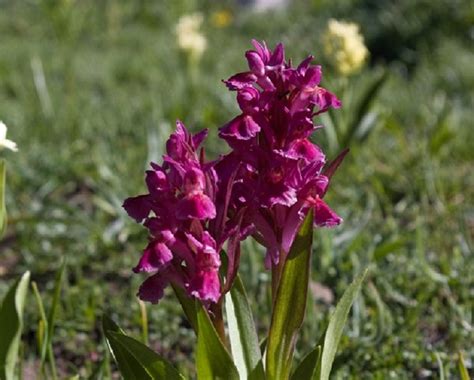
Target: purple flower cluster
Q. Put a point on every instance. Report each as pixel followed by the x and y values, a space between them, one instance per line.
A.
pixel 264 187
pixel 280 175
pixel 177 210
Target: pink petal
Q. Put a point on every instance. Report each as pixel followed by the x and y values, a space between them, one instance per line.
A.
pixel 206 286
pixel 255 62
pixel 241 128
pixel 154 257
pixel 324 216
pixel 151 290
pixel 196 206
pixel 138 207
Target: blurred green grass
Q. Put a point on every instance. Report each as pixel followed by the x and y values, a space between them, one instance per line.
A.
pixel 91 90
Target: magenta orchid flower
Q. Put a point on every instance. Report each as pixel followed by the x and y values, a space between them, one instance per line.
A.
pixel 178 211
pixel 264 187
pixel 280 170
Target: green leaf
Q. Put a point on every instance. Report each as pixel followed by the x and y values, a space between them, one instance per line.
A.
pixel 188 305
pixel 463 373
pixel 154 365
pixel 242 333
pixel 306 369
pixel 336 327
pixel 47 343
pixel 290 304
pixel 3 211
pixel 367 96
pixel 11 317
pixel 213 361
pixel 134 359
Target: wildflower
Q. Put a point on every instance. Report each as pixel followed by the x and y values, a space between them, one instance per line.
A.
pixel 187 230
pixel 4 142
pixel 189 37
pixel 279 170
pixel 344 46
pixel 221 19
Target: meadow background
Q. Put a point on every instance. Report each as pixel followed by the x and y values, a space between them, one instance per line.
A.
pixel 90 91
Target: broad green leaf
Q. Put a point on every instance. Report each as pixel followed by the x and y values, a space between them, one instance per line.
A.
pixel 242 333
pixel 129 367
pixel 3 211
pixel 134 359
pixel 11 317
pixel 153 364
pixel 213 361
pixel 463 373
pixel 336 327
pixel 290 304
pixel 306 369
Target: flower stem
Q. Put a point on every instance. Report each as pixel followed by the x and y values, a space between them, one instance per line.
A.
pixel 217 319
pixel 276 276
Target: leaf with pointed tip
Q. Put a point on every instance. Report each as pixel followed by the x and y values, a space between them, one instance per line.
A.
pixel 290 304
pixel 242 333
pixel 52 311
pixel 463 373
pixel 134 359
pixel 306 369
pixel 11 315
pixel 336 327
pixel 213 361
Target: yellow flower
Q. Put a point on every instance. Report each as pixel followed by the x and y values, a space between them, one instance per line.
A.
pixel 344 46
pixel 189 37
pixel 221 19
pixel 4 142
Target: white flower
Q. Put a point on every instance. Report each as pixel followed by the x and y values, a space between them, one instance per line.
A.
pixel 344 46
pixel 4 142
pixel 190 39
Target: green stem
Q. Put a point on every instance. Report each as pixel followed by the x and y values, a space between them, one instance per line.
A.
pixel 217 319
pixel 276 275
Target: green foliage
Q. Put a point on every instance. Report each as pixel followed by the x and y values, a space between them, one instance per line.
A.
pixel 3 211
pixel 135 360
pixel 47 322
pixel 290 304
pixel 333 333
pixel 462 368
pixel 358 118
pixel 11 317
pixel 213 361
pixel 306 369
pixel 116 83
pixel 242 333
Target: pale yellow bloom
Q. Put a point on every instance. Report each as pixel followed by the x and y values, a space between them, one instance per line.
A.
pixel 221 19
pixel 189 37
pixel 4 142
pixel 344 46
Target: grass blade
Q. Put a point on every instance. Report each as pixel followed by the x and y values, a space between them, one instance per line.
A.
pixel 463 373
pixel 336 327
pixel 290 304
pixel 362 107
pixel 11 316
